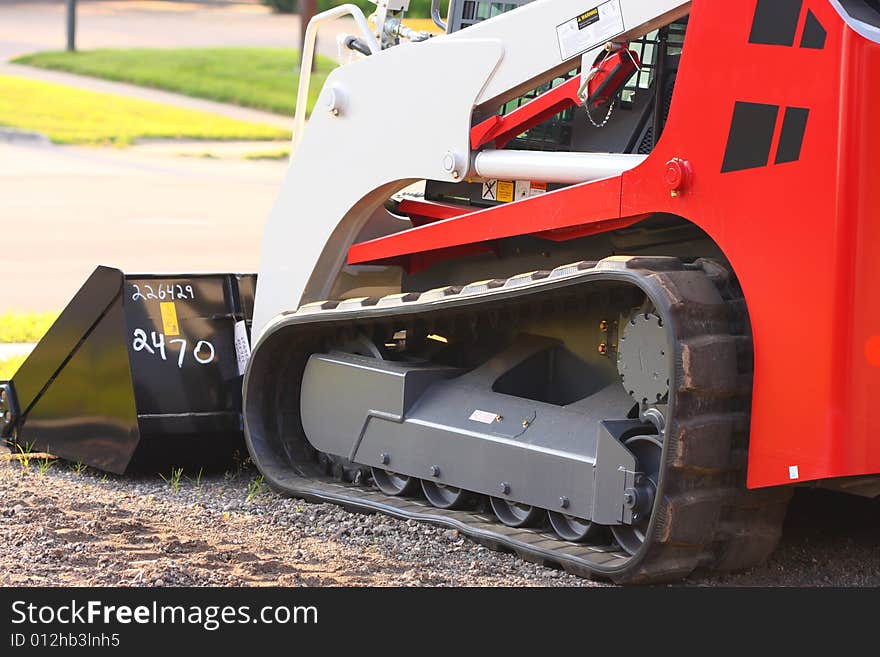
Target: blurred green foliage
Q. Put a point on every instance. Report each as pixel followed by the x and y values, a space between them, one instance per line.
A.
pixel 417 8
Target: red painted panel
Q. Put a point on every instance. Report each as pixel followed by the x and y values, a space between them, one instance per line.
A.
pixel 803 236
pixel 501 129
pixel 427 212
pixel 575 206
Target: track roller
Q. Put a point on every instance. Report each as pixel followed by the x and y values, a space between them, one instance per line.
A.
pixel 514 514
pixel 444 497
pixel 648 451
pixel 392 483
pixel 573 529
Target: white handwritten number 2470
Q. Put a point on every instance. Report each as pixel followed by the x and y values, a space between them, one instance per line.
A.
pixel 203 351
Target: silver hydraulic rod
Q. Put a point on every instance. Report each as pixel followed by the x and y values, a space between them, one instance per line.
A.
pixel 569 168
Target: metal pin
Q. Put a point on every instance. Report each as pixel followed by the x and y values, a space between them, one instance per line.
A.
pixel 505 488
pixel 563 502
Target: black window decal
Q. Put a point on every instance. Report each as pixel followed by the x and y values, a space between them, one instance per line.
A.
pixel 814 34
pixel 794 125
pixel 776 22
pixel 751 136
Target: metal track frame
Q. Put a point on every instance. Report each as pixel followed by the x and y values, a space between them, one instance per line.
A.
pixel 703 516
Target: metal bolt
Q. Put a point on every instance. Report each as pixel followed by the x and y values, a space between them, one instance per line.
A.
pixel 505 488
pixel 526 424
pixel 603 348
pixel 499 418
pixel 3 396
pixel 563 502
pixel 385 458
pixel 7 417
pixel 629 498
pixel 603 326
pixel 450 164
pixel 335 111
pixel 674 193
pixel 434 470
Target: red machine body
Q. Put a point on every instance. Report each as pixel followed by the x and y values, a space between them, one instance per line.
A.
pixel 772 151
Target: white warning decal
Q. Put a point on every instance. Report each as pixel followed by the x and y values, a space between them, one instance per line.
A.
pixel 498 190
pixel 490 190
pixel 589 29
pixel 242 347
pixel 484 416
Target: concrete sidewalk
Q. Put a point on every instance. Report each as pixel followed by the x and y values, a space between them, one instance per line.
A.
pixel 65 210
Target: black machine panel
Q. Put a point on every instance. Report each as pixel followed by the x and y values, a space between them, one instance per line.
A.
pixel 137 366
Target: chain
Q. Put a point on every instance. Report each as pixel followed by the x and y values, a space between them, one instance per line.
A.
pixel 604 121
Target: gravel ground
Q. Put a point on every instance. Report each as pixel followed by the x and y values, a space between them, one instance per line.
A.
pixel 65 529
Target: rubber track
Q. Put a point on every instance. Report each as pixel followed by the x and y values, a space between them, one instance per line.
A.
pixel 703 516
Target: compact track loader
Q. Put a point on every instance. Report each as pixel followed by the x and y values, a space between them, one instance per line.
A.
pixel 589 281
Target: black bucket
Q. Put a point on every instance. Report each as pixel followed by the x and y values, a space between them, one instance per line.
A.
pixel 138 369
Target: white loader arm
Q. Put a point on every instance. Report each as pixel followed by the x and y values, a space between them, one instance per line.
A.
pixel 404 114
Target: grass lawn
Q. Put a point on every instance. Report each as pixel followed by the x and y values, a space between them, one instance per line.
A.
pixel 25 327
pixel 264 78
pixel 9 366
pixel 21 327
pixel 280 154
pixel 75 116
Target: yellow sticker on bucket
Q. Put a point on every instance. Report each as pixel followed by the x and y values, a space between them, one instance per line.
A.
pixel 169 318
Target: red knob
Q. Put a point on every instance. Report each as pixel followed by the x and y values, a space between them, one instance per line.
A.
pixel 676 174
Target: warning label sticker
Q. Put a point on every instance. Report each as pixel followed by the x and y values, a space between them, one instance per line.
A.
pixel 169 318
pixel 590 29
pixel 523 189
pixel 242 346
pixel 528 188
pixel 505 191
pixel 490 190
pixel 498 190
pixel 485 417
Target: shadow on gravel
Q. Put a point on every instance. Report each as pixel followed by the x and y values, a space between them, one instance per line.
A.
pixel 817 513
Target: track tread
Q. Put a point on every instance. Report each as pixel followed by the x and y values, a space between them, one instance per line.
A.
pixel 706 517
